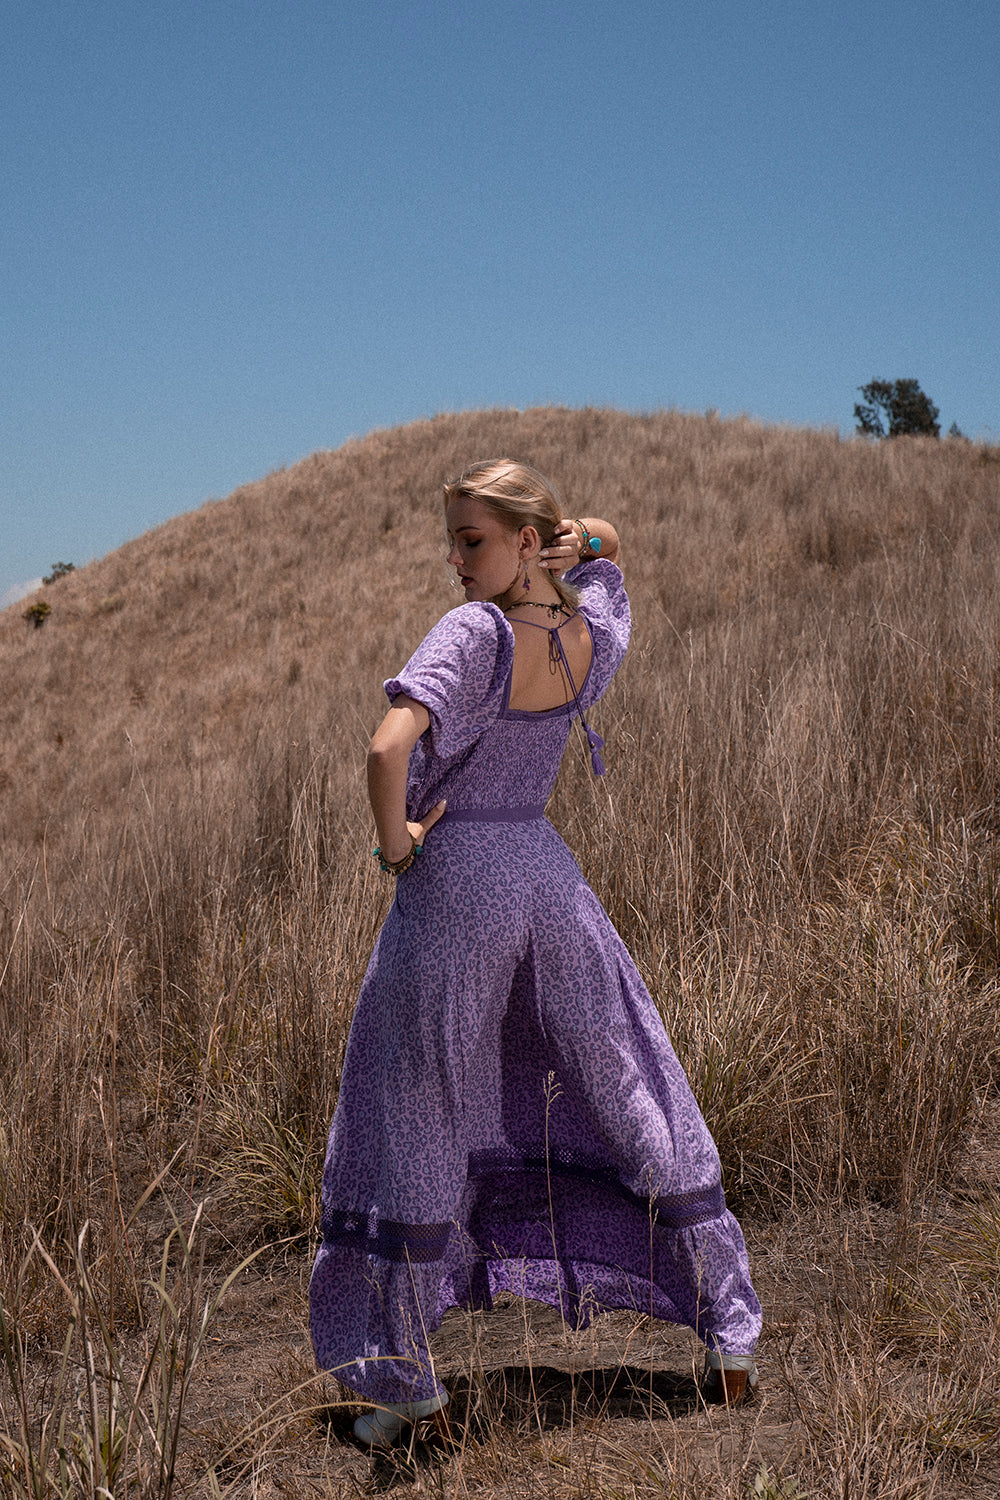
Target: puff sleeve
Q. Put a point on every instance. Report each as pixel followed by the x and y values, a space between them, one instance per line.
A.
pixel 604 603
pixel 458 672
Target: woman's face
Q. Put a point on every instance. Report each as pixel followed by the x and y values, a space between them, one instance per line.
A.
pixel 484 553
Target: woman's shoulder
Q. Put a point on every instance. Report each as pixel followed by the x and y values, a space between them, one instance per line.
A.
pixel 472 626
pixel 472 641
pixel 458 673
pixel 476 617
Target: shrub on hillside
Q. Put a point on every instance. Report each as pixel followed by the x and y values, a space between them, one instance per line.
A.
pixel 36 614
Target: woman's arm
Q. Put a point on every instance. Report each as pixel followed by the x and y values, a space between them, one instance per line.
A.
pixel 388 759
pixel 567 547
pixel 602 531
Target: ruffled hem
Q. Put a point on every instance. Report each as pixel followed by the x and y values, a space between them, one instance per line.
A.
pixel 592 1250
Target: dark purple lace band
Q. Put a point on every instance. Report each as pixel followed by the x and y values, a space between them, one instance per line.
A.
pixel 493 814
pixel 679 1210
pixel 420 1243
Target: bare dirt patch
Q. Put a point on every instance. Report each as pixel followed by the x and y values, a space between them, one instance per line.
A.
pixel 851 1401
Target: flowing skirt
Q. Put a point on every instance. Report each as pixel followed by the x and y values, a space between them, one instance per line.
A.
pixel 512 1117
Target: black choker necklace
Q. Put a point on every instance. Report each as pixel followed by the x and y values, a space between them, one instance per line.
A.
pixel 555 610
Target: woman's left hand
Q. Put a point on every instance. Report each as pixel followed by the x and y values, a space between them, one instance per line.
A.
pixel 564 549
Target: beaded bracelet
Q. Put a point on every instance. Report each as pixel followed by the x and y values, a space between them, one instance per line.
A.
pixel 589 543
pixel 401 864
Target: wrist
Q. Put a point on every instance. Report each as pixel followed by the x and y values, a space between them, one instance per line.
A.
pixel 590 542
pixel 395 846
pixel 403 862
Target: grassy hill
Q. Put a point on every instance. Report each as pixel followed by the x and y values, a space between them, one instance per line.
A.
pixel 284 604
pixel 798 838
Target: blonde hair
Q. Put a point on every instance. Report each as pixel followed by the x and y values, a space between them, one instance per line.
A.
pixel 517 495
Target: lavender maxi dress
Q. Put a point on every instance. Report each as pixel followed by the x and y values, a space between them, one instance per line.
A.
pixel 511 1116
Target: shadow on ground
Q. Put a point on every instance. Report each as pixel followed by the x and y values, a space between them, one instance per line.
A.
pixel 543 1397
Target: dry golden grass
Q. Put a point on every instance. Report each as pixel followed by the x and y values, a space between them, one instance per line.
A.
pixel 798 839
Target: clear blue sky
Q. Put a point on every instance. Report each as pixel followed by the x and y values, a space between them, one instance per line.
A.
pixel 235 231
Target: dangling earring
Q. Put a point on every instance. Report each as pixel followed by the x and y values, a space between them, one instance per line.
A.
pixel 526 586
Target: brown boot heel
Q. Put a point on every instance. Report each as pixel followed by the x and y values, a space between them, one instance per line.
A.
pixel 734 1386
pixel 728 1387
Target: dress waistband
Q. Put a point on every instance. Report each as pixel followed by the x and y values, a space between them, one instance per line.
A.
pixel 493 814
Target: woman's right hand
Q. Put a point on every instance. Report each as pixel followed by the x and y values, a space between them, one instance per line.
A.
pixel 398 846
pixel 419 831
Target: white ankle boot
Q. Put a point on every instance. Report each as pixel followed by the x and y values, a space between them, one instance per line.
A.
pixel 382 1427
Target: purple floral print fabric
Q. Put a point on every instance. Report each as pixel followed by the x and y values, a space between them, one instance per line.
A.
pixel 511 1116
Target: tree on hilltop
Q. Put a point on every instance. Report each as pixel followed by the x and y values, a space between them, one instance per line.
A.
pixel 896 408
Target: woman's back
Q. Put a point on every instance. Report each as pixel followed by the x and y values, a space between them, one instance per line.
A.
pixel 500 696
pixel 539 679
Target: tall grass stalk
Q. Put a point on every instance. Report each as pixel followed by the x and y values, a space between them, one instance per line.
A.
pixel 100 1425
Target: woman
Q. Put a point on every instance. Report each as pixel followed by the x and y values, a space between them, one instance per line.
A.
pixel 511 1116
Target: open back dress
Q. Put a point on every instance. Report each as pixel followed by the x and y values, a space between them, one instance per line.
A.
pixel 512 1116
